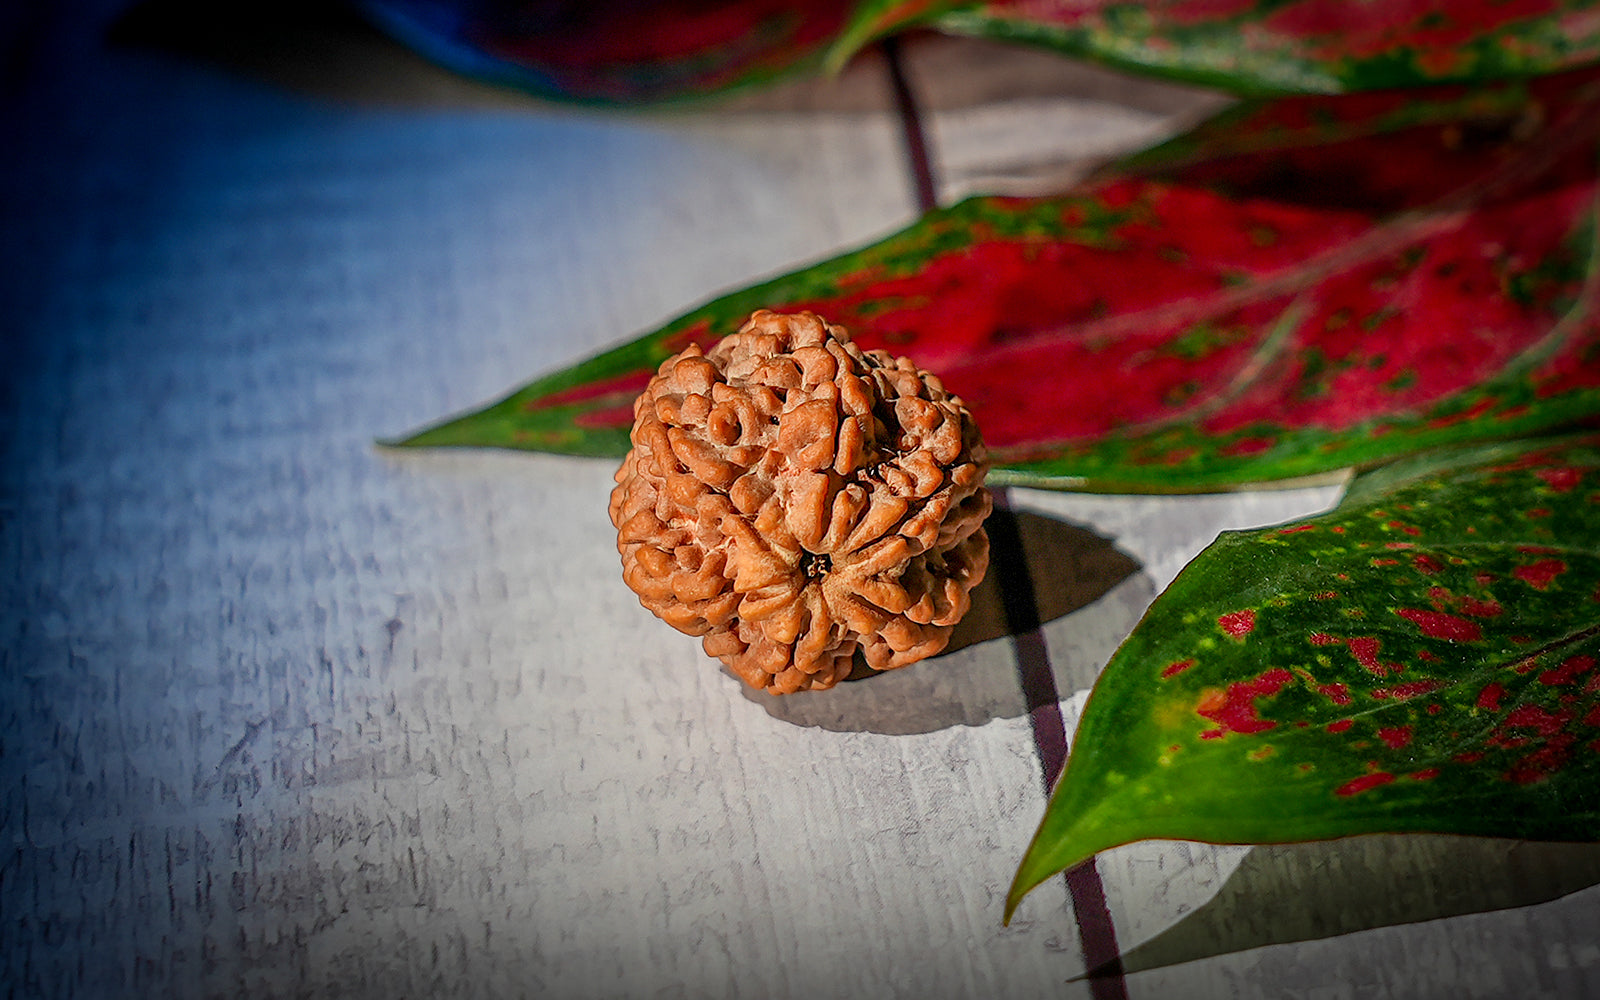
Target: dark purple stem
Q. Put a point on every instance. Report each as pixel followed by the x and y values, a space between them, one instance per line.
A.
pixel 1009 563
pixel 916 139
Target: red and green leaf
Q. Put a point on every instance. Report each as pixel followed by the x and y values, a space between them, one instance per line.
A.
pixel 1278 46
pixel 1426 657
pixel 620 51
pixel 1296 287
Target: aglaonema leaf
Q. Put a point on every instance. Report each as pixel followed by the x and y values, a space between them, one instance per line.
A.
pixel 1422 658
pixel 1298 286
pixel 1286 46
pixel 643 50
pixel 620 51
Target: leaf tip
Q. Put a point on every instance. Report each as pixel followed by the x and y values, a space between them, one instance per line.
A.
pixel 1030 874
pixel 839 54
pixel 395 441
pixel 425 437
pixel 1013 900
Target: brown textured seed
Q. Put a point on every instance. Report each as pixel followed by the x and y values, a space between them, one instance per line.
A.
pixel 791 498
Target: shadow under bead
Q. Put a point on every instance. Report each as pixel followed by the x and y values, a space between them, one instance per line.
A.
pixel 791 498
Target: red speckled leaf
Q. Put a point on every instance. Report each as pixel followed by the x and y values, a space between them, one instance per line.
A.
pixel 1296 287
pixel 617 51
pixel 1426 657
pixel 1287 46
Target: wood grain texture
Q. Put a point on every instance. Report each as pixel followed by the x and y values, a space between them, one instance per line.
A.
pixel 282 714
pixel 1006 119
pixel 288 715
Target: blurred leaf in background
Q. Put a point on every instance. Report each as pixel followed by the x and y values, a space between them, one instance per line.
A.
pixel 647 50
pixel 1272 47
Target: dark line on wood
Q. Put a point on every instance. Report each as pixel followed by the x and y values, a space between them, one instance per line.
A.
pixel 911 127
pixel 250 731
pixel 1009 562
pixel 1097 933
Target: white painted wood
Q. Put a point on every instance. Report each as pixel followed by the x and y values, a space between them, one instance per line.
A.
pixel 1006 119
pixel 285 714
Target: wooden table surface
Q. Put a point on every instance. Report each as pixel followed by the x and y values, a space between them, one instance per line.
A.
pixel 284 714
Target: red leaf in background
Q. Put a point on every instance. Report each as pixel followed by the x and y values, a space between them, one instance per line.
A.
pixel 1295 287
pixel 619 50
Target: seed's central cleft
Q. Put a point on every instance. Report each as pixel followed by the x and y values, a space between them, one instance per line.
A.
pixel 815 565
